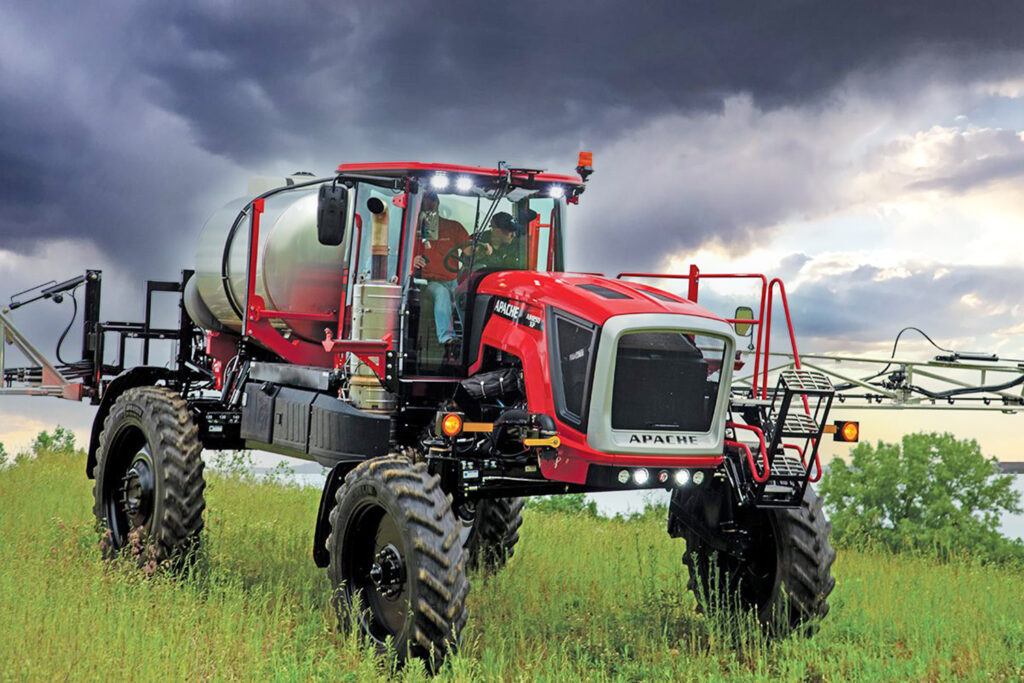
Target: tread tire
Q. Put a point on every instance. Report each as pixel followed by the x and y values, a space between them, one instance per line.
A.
pixel 493 534
pixel 162 417
pixel 802 582
pixel 435 576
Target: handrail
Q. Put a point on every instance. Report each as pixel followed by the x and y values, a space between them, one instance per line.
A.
pixel 817 461
pixel 760 479
pixel 792 337
pixel 764 451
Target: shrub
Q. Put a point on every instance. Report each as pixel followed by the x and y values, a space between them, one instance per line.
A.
pixel 932 494
pixel 61 441
pixel 655 508
pixel 3 455
pixel 567 503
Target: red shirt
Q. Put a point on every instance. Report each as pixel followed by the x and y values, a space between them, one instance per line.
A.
pixel 449 234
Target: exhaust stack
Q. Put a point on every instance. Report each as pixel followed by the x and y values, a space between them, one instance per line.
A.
pixel 378 238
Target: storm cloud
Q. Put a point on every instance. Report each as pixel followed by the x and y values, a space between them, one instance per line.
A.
pixel 128 124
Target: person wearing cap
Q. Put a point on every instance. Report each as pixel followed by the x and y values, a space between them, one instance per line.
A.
pixel 498 246
pixel 430 259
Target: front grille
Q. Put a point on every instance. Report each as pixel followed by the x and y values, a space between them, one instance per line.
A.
pixel 662 382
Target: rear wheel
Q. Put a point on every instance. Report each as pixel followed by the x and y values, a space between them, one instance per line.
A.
pixel 148 495
pixel 783 573
pixel 490 531
pixel 395 552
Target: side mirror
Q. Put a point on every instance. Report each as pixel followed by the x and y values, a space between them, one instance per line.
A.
pixel 743 313
pixel 331 212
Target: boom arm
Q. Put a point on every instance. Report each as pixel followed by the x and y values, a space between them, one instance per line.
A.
pixel 942 383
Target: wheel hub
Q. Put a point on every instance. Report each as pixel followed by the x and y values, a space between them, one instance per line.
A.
pixel 137 487
pixel 388 571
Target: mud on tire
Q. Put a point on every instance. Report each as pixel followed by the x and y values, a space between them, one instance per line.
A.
pixel 785 577
pixel 148 491
pixel 490 536
pixel 395 551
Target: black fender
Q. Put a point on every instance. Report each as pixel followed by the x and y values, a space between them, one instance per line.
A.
pixel 142 376
pixel 335 478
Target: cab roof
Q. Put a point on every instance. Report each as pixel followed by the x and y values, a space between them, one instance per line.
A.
pixel 403 168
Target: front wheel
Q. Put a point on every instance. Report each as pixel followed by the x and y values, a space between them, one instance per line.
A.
pixel 782 572
pixel 148 495
pixel 396 556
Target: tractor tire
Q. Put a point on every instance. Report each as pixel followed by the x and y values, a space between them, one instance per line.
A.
pixel 490 533
pixel 396 563
pixel 148 492
pixel 785 577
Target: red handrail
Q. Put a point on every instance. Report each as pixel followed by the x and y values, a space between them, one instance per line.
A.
pixel 817 461
pixel 750 459
pixel 760 479
pixel 250 273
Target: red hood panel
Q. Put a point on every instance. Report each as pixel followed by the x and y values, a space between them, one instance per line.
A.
pixel 563 291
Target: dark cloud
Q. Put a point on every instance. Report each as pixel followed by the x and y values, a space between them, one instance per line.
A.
pixel 127 125
pixel 452 70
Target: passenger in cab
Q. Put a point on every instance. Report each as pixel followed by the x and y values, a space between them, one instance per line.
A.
pixel 499 247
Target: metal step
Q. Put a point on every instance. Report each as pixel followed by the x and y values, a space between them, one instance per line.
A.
pixel 787 468
pixel 806 382
pixel 799 424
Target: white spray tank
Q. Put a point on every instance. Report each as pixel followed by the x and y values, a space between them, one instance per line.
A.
pixel 295 272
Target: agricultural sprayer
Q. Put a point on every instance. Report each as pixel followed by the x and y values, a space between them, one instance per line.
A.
pixel 414 329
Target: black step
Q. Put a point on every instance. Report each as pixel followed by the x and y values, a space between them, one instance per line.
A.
pixel 806 382
pixel 787 468
pixel 799 425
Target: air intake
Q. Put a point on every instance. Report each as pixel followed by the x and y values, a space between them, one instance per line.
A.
pixel 604 292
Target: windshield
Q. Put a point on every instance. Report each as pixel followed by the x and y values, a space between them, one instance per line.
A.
pixel 519 231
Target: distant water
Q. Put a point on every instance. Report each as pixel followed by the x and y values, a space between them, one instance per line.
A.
pixel 1013 525
pixel 610 504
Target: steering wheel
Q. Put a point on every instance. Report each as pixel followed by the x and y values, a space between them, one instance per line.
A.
pixel 452 262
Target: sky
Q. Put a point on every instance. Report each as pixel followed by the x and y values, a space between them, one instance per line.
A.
pixel 868 153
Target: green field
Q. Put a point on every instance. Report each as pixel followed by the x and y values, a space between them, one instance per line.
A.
pixel 582 599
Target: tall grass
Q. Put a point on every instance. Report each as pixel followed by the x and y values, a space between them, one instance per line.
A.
pixel 583 598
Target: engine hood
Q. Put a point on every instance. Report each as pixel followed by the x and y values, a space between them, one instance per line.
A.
pixel 590 297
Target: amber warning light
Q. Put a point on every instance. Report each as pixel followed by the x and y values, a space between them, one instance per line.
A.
pixel 451 425
pixel 846 431
pixel 585 165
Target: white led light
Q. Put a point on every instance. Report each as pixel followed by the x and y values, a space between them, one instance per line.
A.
pixel 641 476
pixel 682 477
pixel 556 191
pixel 439 181
pixel 463 183
pixel 698 477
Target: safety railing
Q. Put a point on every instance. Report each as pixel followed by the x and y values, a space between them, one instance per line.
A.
pixel 762 323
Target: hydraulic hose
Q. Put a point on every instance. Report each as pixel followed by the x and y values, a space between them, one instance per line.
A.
pixel 967 390
pixel 64 334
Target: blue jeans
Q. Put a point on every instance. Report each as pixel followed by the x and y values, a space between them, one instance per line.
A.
pixel 441 294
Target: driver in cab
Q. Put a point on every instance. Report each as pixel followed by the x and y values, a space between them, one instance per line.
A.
pixel 439 236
